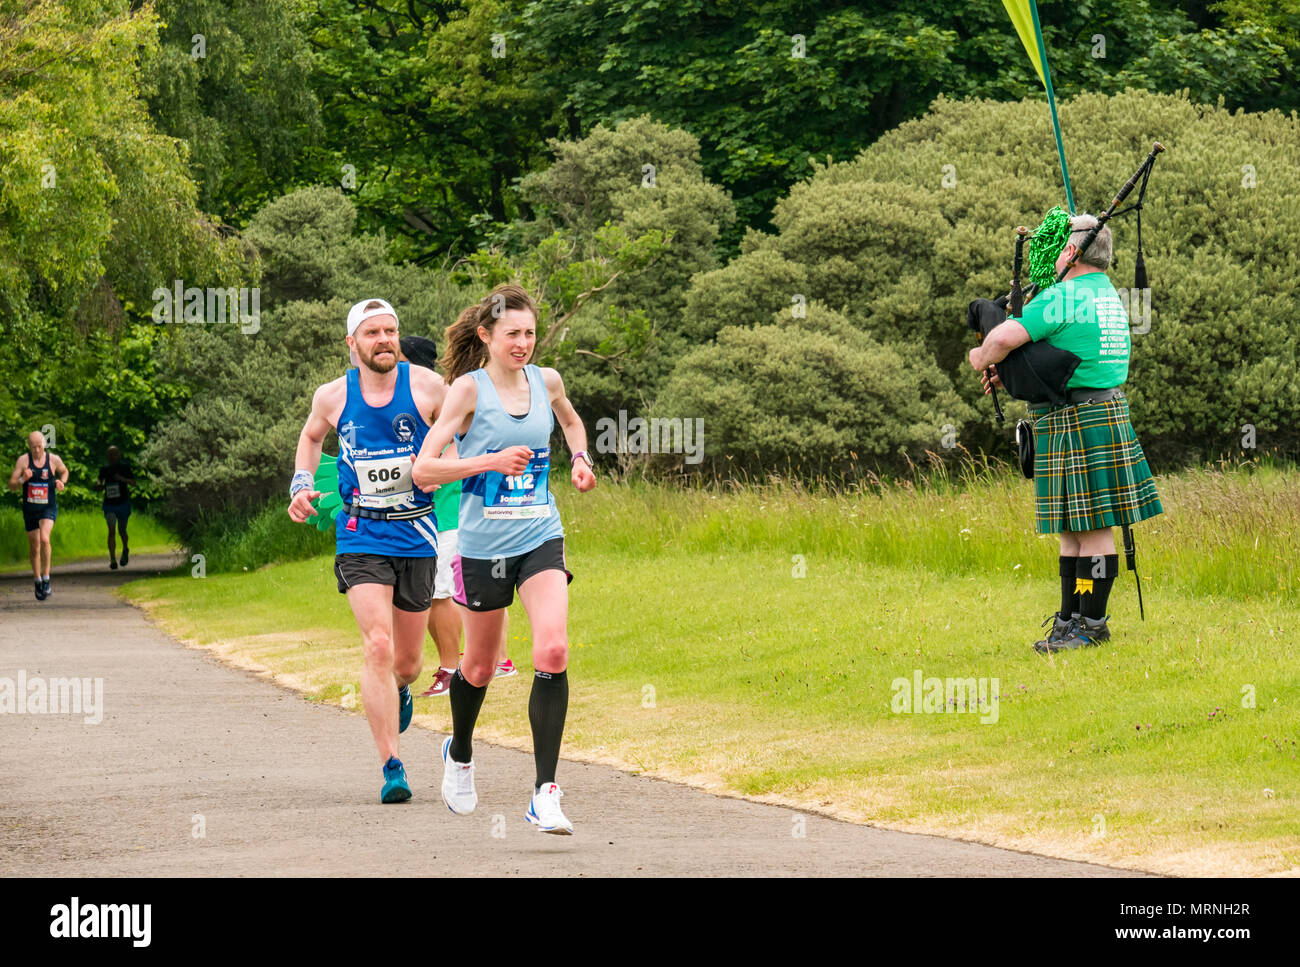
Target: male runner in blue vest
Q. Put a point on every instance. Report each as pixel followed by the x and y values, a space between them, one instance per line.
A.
pixel 385 534
pixel 41 475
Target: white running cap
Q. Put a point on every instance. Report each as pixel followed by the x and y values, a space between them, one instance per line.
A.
pixel 359 313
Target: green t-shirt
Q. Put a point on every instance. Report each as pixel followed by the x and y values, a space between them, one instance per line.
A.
pixel 446 506
pixel 1086 316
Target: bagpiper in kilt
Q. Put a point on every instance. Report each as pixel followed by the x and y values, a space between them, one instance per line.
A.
pixel 1089 469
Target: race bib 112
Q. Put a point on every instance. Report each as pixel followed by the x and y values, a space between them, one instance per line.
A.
pixel 519 497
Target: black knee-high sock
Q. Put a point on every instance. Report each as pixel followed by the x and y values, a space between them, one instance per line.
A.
pixel 1069 600
pixel 466 700
pixel 1095 578
pixel 547 705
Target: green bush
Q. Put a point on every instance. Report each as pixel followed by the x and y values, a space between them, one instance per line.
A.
pixel 643 178
pixel 811 396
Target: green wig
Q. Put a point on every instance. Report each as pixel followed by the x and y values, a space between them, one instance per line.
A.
pixel 1045 245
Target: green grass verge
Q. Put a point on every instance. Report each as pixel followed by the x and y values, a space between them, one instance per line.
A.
pixel 233 542
pixel 749 642
pixel 78 533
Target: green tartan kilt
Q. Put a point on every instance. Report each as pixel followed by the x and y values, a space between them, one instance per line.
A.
pixel 1089 469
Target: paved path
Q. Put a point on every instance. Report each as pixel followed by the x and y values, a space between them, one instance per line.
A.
pixel 284 787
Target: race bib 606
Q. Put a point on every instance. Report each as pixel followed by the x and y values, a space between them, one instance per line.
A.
pixel 384 483
pixel 522 496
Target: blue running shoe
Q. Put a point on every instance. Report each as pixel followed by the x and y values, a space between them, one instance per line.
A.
pixel 40 590
pixel 405 708
pixel 46 582
pixel 396 788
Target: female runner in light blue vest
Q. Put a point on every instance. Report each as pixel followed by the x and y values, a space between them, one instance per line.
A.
pixel 501 411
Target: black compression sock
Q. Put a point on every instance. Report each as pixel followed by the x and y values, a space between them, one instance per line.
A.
pixel 1069 600
pixel 1095 577
pixel 466 700
pixel 547 705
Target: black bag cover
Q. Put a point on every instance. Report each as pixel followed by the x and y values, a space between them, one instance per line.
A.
pixel 1036 372
pixel 1025 448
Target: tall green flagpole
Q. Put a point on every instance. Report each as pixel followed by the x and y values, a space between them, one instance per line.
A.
pixel 1051 100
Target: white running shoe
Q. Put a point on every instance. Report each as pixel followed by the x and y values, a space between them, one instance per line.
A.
pixel 457 783
pixel 544 811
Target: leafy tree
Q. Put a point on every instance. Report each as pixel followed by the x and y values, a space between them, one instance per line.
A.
pixel 97 210
pixel 231 78
pixel 89 390
pixel 769 86
pixel 434 108
pixel 88 190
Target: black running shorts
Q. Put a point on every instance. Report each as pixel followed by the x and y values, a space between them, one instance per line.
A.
pixel 411 578
pixel 486 585
pixel 32 517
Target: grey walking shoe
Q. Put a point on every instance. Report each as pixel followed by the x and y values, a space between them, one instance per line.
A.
pixel 1062 628
pixel 1086 633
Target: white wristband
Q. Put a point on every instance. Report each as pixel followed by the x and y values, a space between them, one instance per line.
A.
pixel 302 480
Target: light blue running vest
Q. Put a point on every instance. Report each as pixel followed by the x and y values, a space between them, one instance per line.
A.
pixel 376 444
pixel 504 516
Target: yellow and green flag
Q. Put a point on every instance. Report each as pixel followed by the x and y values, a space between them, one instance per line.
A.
pixel 1024 16
pixel 1023 19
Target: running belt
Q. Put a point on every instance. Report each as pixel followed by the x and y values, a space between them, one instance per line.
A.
pixel 395 513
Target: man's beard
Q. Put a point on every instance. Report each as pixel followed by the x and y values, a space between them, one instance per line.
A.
pixel 378 367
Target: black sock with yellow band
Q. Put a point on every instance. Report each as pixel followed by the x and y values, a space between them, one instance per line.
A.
pixel 1094 577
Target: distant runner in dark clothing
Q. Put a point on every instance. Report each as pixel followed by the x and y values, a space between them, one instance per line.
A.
pixel 115 479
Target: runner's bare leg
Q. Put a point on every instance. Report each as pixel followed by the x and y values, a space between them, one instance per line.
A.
pixel 372 605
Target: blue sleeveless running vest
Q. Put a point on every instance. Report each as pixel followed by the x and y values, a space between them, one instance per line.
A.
pixel 504 516
pixel 39 489
pixel 376 444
